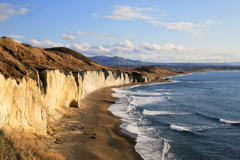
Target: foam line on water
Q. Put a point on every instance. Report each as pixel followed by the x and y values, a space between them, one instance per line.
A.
pixel 139 101
pixel 218 119
pixel 146 112
pixel 229 122
pixel 190 129
pixel 147 93
pixel 165 150
pixel 179 128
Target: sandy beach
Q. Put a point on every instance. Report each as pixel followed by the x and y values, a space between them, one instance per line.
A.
pixel 99 135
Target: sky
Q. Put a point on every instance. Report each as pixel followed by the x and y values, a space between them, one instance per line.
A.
pixel 147 30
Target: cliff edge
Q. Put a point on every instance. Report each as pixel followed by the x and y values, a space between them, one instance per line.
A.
pixel 37 84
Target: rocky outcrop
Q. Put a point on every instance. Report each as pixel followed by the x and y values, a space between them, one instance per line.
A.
pixel 140 77
pixel 41 98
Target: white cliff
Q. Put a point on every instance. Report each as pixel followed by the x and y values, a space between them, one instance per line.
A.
pixel 30 104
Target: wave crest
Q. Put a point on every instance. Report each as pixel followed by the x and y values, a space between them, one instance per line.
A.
pixel 179 128
pixel 229 122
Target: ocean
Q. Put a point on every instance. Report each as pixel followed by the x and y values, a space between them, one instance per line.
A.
pixel 196 116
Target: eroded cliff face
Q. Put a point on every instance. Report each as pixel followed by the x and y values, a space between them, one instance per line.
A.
pixel 37 84
pixel 21 106
pixel 31 104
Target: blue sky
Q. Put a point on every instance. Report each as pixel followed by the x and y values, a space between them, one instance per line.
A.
pixel 147 30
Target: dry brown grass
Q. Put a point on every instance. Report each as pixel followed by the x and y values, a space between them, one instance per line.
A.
pixel 69 115
pixel 18 148
pixel 56 128
pixel 17 60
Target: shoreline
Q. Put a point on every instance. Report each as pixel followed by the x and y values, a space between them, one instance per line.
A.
pixel 100 136
pixel 115 141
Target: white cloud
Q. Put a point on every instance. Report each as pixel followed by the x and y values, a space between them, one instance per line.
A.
pixel 126 44
pixel 102 36
pixel 129 13
pixel 192 28
pixel 118 48
pixel 143 56
pixel 70 37
pixel 163 49
pixel 7 10
pixel 82 47
pixel 45 44
pixel 16 36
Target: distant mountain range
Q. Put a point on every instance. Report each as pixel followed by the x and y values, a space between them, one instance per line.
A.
pixel 119 61
pixel 116 61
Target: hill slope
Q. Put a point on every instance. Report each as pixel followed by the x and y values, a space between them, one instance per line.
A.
pixel 18 60
pixel 75 54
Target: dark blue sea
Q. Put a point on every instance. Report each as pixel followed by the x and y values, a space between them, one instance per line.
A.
pixel 194 117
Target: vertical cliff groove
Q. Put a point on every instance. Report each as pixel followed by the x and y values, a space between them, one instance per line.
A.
pixel 43 80
pixel 106 74
pixel 75 74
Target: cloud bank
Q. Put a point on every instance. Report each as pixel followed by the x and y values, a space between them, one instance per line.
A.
pixel 126 47
pixel 146 51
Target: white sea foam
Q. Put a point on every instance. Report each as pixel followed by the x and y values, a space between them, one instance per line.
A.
pixel 140 101
pixel 119 93
pixel 190 129
pixel 173 81
pixel 147 93
pixel 150 148
pixel 146 112
pixel 133 128
pixel 165 150
pixel 179 128
pixel 229 122
pixel 135 86
pixel 174 76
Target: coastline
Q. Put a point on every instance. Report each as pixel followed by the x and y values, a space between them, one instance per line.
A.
pixel 110 142
pixel 100 136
